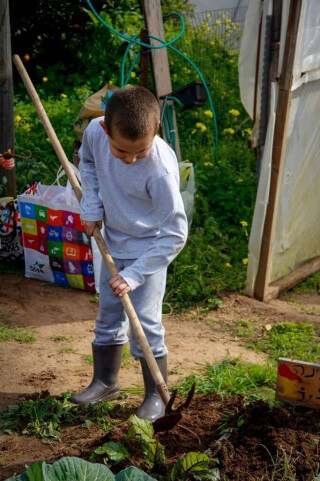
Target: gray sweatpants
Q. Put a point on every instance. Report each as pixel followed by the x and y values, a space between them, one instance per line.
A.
pixel 112 323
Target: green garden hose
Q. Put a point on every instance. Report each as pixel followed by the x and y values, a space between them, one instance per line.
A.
pixel 167 108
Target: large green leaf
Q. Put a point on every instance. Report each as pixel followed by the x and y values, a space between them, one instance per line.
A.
pixel 189 462
pixel 141 428
pixel 76 469
pixel 154 452
pixel 133 474
pixel 116 452
pixel 35 472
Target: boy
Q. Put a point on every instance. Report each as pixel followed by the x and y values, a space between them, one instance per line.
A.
pixel 130 180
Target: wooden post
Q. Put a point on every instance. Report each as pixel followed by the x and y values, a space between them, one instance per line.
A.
pixel 278 152
pixel 160 64
pixel 6 98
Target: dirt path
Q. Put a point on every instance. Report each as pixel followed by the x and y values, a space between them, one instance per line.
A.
pixel 194 339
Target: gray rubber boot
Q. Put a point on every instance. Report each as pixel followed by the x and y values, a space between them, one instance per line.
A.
pixel 152 407
pixel 105 384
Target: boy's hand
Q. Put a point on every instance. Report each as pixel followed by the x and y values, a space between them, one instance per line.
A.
pixel 8 164
pixel 119 286
pixel 89 226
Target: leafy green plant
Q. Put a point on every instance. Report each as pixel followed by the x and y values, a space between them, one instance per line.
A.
pixel 74 469
pixel 142 430
pixel 196 464
pixel 114 451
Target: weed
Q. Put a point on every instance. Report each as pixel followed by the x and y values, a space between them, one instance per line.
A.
pixel 310 285
pixel 289 339
pixel 231 377
pixel 41 417
pixel 243 328
pixel 67 350
pixel 45 417
pixel 88 358
pixel 61 338
pixel 19 334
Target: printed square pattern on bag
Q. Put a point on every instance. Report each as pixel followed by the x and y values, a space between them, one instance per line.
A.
pixel 62 251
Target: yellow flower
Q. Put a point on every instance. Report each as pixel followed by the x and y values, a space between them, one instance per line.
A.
pixel 228 264
pixel 63 96
pixel 227 20
pixel 44 79
pixel 229 131
pixel 218 21
pixel 26 128
pixel 17 118
pixel 48 140
pixel 245 261
pixel 234 112
pixel 244 223
pixel 208 113
pixel 133 75
pixel 208 164
pixel 248 131
pixel 201 126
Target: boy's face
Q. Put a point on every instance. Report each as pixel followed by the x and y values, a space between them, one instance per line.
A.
pixel 128 150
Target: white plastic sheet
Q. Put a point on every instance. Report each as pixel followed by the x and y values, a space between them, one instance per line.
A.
pixel 297 234
pixel 261 200
pixel 297 228
pixel 248 55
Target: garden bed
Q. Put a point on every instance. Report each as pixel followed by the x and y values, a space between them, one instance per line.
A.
pixel 248 442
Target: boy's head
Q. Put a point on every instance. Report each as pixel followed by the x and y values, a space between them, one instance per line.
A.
pixel 131 121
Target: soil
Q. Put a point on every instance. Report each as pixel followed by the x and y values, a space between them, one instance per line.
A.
pixel 194 339
pixel 265 439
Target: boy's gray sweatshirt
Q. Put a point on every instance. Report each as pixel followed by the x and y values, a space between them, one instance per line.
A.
pixel 140 203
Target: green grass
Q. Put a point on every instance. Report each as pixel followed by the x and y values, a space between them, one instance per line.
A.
pixel 67 350
pixel 45 417
pixel 18 334
pixel 126 357
pixel 289 339
pixel 232 377
pixel 310 285
pixel 61 338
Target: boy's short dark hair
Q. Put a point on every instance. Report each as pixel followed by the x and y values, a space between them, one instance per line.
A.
pixel 133 111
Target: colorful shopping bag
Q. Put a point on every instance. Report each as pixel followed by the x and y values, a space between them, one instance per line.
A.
pixel 56 247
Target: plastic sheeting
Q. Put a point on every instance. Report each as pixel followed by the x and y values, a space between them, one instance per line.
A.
pixel 248 55
pixel 262 199
pixel 297 227
pixel 297 234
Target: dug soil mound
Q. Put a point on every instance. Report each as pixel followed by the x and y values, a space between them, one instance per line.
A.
pixel 249 442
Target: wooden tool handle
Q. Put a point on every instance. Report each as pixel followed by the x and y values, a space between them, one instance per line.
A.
pixel 126 301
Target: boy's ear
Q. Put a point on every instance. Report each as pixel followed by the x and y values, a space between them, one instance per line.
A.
pixel 103 125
